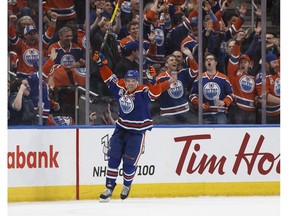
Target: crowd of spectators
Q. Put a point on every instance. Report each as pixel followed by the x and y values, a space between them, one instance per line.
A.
pixel 232 81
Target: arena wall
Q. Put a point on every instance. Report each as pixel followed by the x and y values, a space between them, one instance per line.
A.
pixel 70 163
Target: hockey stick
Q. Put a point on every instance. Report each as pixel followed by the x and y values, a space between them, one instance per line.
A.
pixel 111 21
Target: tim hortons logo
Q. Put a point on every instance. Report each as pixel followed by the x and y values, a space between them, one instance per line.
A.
pixel 33 159
pixel 263 162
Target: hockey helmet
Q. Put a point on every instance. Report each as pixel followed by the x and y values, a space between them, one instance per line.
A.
pixel 132 74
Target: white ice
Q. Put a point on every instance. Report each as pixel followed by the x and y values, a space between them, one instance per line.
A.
pixel 196 206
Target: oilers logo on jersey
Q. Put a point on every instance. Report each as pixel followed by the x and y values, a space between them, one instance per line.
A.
pixel 30 56
pixel 81 71
pixel 67 60
pixel 63 120
pixel 247 84
pixel 84 42
pixel 126 103
pixel 176 89
pixel 159 37
pixel 211 90
pixel 277 87
pixel 125 7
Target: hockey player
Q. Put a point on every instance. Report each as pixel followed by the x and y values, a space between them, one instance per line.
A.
pixel 127 141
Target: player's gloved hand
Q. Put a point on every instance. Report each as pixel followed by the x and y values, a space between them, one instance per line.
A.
pixel 99 58
pixel 151 75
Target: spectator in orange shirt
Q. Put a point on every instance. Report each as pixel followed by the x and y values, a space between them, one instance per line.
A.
pixel 27 49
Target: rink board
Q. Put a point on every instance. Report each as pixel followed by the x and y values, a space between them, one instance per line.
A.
pixel 69 163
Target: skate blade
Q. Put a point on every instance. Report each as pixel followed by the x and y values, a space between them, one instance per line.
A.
pixel 104 200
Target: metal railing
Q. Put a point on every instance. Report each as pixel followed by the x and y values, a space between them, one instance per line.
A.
pixel 80 88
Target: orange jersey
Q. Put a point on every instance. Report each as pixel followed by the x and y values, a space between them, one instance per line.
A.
pixel 243 84
pixel 273 88
pixel 64 9
pixel 81 38
pixel 28 54
pixel 60 74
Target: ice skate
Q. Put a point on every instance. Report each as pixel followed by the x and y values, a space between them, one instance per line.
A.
pixel 125 192
pixel 105 196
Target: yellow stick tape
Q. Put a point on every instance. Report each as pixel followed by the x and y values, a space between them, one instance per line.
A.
pixel 114 12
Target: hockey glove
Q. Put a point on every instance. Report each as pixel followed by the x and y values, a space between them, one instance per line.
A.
pixel 99 58
pixel 151 75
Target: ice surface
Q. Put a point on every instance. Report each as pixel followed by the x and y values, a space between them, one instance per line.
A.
pixel 196 206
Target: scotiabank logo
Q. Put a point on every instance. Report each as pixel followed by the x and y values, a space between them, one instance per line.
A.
pixel 255 161
pixel 32 159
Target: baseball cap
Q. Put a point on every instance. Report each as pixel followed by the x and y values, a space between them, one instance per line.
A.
pixel 131 45
pixel 132 74
pixel 270 57
pixel 194 21
pixel 244 56
pixel 28 29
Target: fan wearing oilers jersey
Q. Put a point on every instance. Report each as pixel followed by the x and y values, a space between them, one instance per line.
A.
pixel 127 141
pixel 26 50
pixel 217 93
pixel 69 53
pixel 158 21
pixel 242 110
pixel 174 106
pixel 272 89
pixel 59 75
